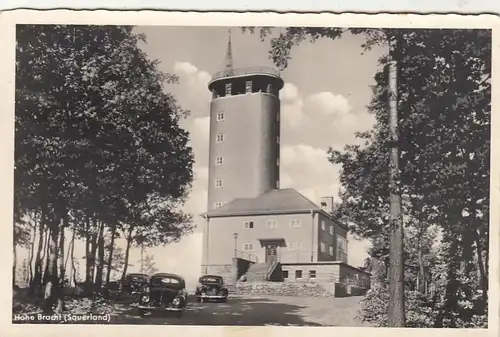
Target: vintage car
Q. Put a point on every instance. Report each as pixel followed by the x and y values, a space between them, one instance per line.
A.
pixel 135 283
pixel 165 293
pixel 210 288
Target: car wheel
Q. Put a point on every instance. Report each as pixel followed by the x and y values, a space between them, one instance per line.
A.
pixel 224 300
pixel 142 313
pixel 198 299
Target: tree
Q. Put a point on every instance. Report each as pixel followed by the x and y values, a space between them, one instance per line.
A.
pixel 97 137
pixel 445 112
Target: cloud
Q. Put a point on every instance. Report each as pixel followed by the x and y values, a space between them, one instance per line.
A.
pixel 289 93
pixel 327 103
pixel 192 90
pixel 308 170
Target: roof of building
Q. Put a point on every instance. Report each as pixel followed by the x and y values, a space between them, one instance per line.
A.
pixel 279 201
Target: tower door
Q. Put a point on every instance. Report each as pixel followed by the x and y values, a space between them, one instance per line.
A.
pixel 271 253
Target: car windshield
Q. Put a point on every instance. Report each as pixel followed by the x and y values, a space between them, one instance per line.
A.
pixel 211 279
pixel 138 278
pixel 165 281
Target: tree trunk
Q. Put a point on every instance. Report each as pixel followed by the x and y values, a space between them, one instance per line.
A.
pixel 62 269
pixel 73 267
pixel 111 250
pixel 71 250
pixel 47 256
pixel 396 310
pixel 90 258
pixel 127 254
pixel 421 270
pixel 37 278
pixel 31 253
pixel 100 265
pixel 482 272
pixel 51 291
pixel 14 264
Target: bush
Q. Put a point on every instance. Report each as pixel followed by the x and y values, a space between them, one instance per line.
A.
pixel 422 312
pixel 419 311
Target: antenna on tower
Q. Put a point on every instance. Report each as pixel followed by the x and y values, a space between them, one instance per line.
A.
pixel 229 57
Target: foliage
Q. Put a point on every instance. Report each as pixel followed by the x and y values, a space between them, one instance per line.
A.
pixel 444 95
pixel 98 142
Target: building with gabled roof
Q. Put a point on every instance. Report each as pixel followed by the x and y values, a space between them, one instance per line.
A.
pixel 252 228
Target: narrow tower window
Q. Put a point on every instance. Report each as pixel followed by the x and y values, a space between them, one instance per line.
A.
pixel 220 138
pixel 218 204
pixel 278 117
pixel 269 89
pixel 219 160
pixel 218 183
pixel 248 88
pixel 228 89
pixel 220 116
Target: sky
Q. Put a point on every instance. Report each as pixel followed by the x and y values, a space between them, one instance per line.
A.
pixel 323 103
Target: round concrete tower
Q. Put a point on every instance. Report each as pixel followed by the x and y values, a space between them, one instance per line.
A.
pixel 244 141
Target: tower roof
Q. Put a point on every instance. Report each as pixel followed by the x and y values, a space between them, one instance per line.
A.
pixel 279 201
pixel 228 64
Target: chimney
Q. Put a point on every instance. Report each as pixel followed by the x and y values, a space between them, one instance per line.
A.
pixel 327 204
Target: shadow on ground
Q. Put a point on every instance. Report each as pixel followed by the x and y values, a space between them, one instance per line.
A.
pixel 237 311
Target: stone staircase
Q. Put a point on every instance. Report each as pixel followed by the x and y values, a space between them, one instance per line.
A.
pixel 257 272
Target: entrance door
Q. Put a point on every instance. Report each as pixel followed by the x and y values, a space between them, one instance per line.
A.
pixel 271 253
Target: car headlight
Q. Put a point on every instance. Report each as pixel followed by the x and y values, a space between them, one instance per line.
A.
pixel 176 301
pixel 145 299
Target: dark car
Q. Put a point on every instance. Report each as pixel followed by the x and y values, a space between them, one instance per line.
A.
pixel 165 293
pixel 135 283
pixel 211 287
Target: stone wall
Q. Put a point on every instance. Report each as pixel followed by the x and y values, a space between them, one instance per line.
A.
pixel 336 272
pixel 285 289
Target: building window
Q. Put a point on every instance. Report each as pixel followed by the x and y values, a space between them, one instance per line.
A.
pixel 331 230
pixel 228 89
pixel 285 274
pixel 278 139
pixel 278 161
pixel 220 138
pixel 218 204
pixel 341 249
pixel 272 224
pixel 248 224
pixel 295 245
pixel 295 223
pixel 323 225
pixel 312 273
pixel 298 274
pixel 248 87
pixel 218 183
pixel 322 247
pixel 278 117
pixel 219 160
pixel 248 246
pixel 220 116
pixel 330 250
